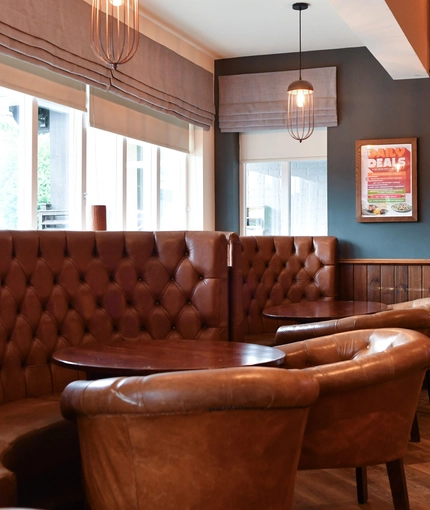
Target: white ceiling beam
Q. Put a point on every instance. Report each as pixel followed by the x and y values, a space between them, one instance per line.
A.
pixel 376 26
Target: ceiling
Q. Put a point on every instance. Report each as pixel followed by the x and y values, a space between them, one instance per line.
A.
pixel 236 28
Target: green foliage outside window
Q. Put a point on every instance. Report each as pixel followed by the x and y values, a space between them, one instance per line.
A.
pixel 43 170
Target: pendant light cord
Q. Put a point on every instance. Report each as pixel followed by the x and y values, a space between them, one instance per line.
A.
pixel 300 44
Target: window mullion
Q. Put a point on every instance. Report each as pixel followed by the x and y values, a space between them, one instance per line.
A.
pixel 30 165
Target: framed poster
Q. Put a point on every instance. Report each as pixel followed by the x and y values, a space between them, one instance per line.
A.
pixel 386 180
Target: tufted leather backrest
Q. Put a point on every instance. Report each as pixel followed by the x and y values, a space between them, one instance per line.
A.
pixel 214 439
pixel 63 288
pixel 277 270
pixel 370 381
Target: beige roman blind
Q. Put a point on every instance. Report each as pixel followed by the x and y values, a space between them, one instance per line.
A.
pixel 41 83
pixel 55 35
pixel 258 101
pixel 110 112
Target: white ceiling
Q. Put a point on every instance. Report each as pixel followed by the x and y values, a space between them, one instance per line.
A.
pixel 237 28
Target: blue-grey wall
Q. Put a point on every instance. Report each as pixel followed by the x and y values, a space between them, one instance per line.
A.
pixel 371 105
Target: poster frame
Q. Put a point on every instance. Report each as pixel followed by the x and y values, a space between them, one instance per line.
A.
pixel 366 216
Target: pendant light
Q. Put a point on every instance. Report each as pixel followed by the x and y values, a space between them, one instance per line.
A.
pixel 300 112
pixel 115 30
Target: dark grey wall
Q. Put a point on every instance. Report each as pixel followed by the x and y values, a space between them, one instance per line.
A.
pixel 370 105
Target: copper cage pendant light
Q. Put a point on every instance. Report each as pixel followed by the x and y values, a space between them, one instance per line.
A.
pixel 115 30
pixel 300 112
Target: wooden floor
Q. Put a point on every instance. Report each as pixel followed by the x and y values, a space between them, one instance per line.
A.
pixel 335 489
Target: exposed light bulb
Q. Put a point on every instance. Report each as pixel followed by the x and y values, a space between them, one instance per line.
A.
pixel 117 3
pixel 300 99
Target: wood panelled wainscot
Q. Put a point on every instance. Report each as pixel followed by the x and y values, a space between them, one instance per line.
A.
pixel 384 280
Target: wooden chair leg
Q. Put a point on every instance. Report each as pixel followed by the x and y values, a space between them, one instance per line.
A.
pixel 361 480
pixel 415 430
pixel 428 382
pixel 399 490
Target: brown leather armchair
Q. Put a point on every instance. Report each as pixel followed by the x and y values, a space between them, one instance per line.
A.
pixel 370 381
pixel 410 315
pixel 213 439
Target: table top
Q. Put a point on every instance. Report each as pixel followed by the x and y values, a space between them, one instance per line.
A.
pixel 322 310
pixel 155 356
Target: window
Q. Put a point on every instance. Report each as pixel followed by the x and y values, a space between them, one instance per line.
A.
pixel 286 198
pixel 173 190
pixel 58 167
pixel 104 183
pixel 53 168
pixel 37 143
pixel 12 167
pixel 284 183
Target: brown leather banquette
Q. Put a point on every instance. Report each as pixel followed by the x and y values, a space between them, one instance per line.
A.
pixel 268 271
pixel 59 289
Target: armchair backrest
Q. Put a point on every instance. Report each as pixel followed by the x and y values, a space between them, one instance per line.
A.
pixel 415 303
pixel 214 439
pixel 417 319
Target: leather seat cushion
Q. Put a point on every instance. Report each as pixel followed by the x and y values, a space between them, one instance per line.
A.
pixel 35 436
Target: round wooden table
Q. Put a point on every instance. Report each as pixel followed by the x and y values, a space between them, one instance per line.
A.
pixel 308 311
pixel 155 356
